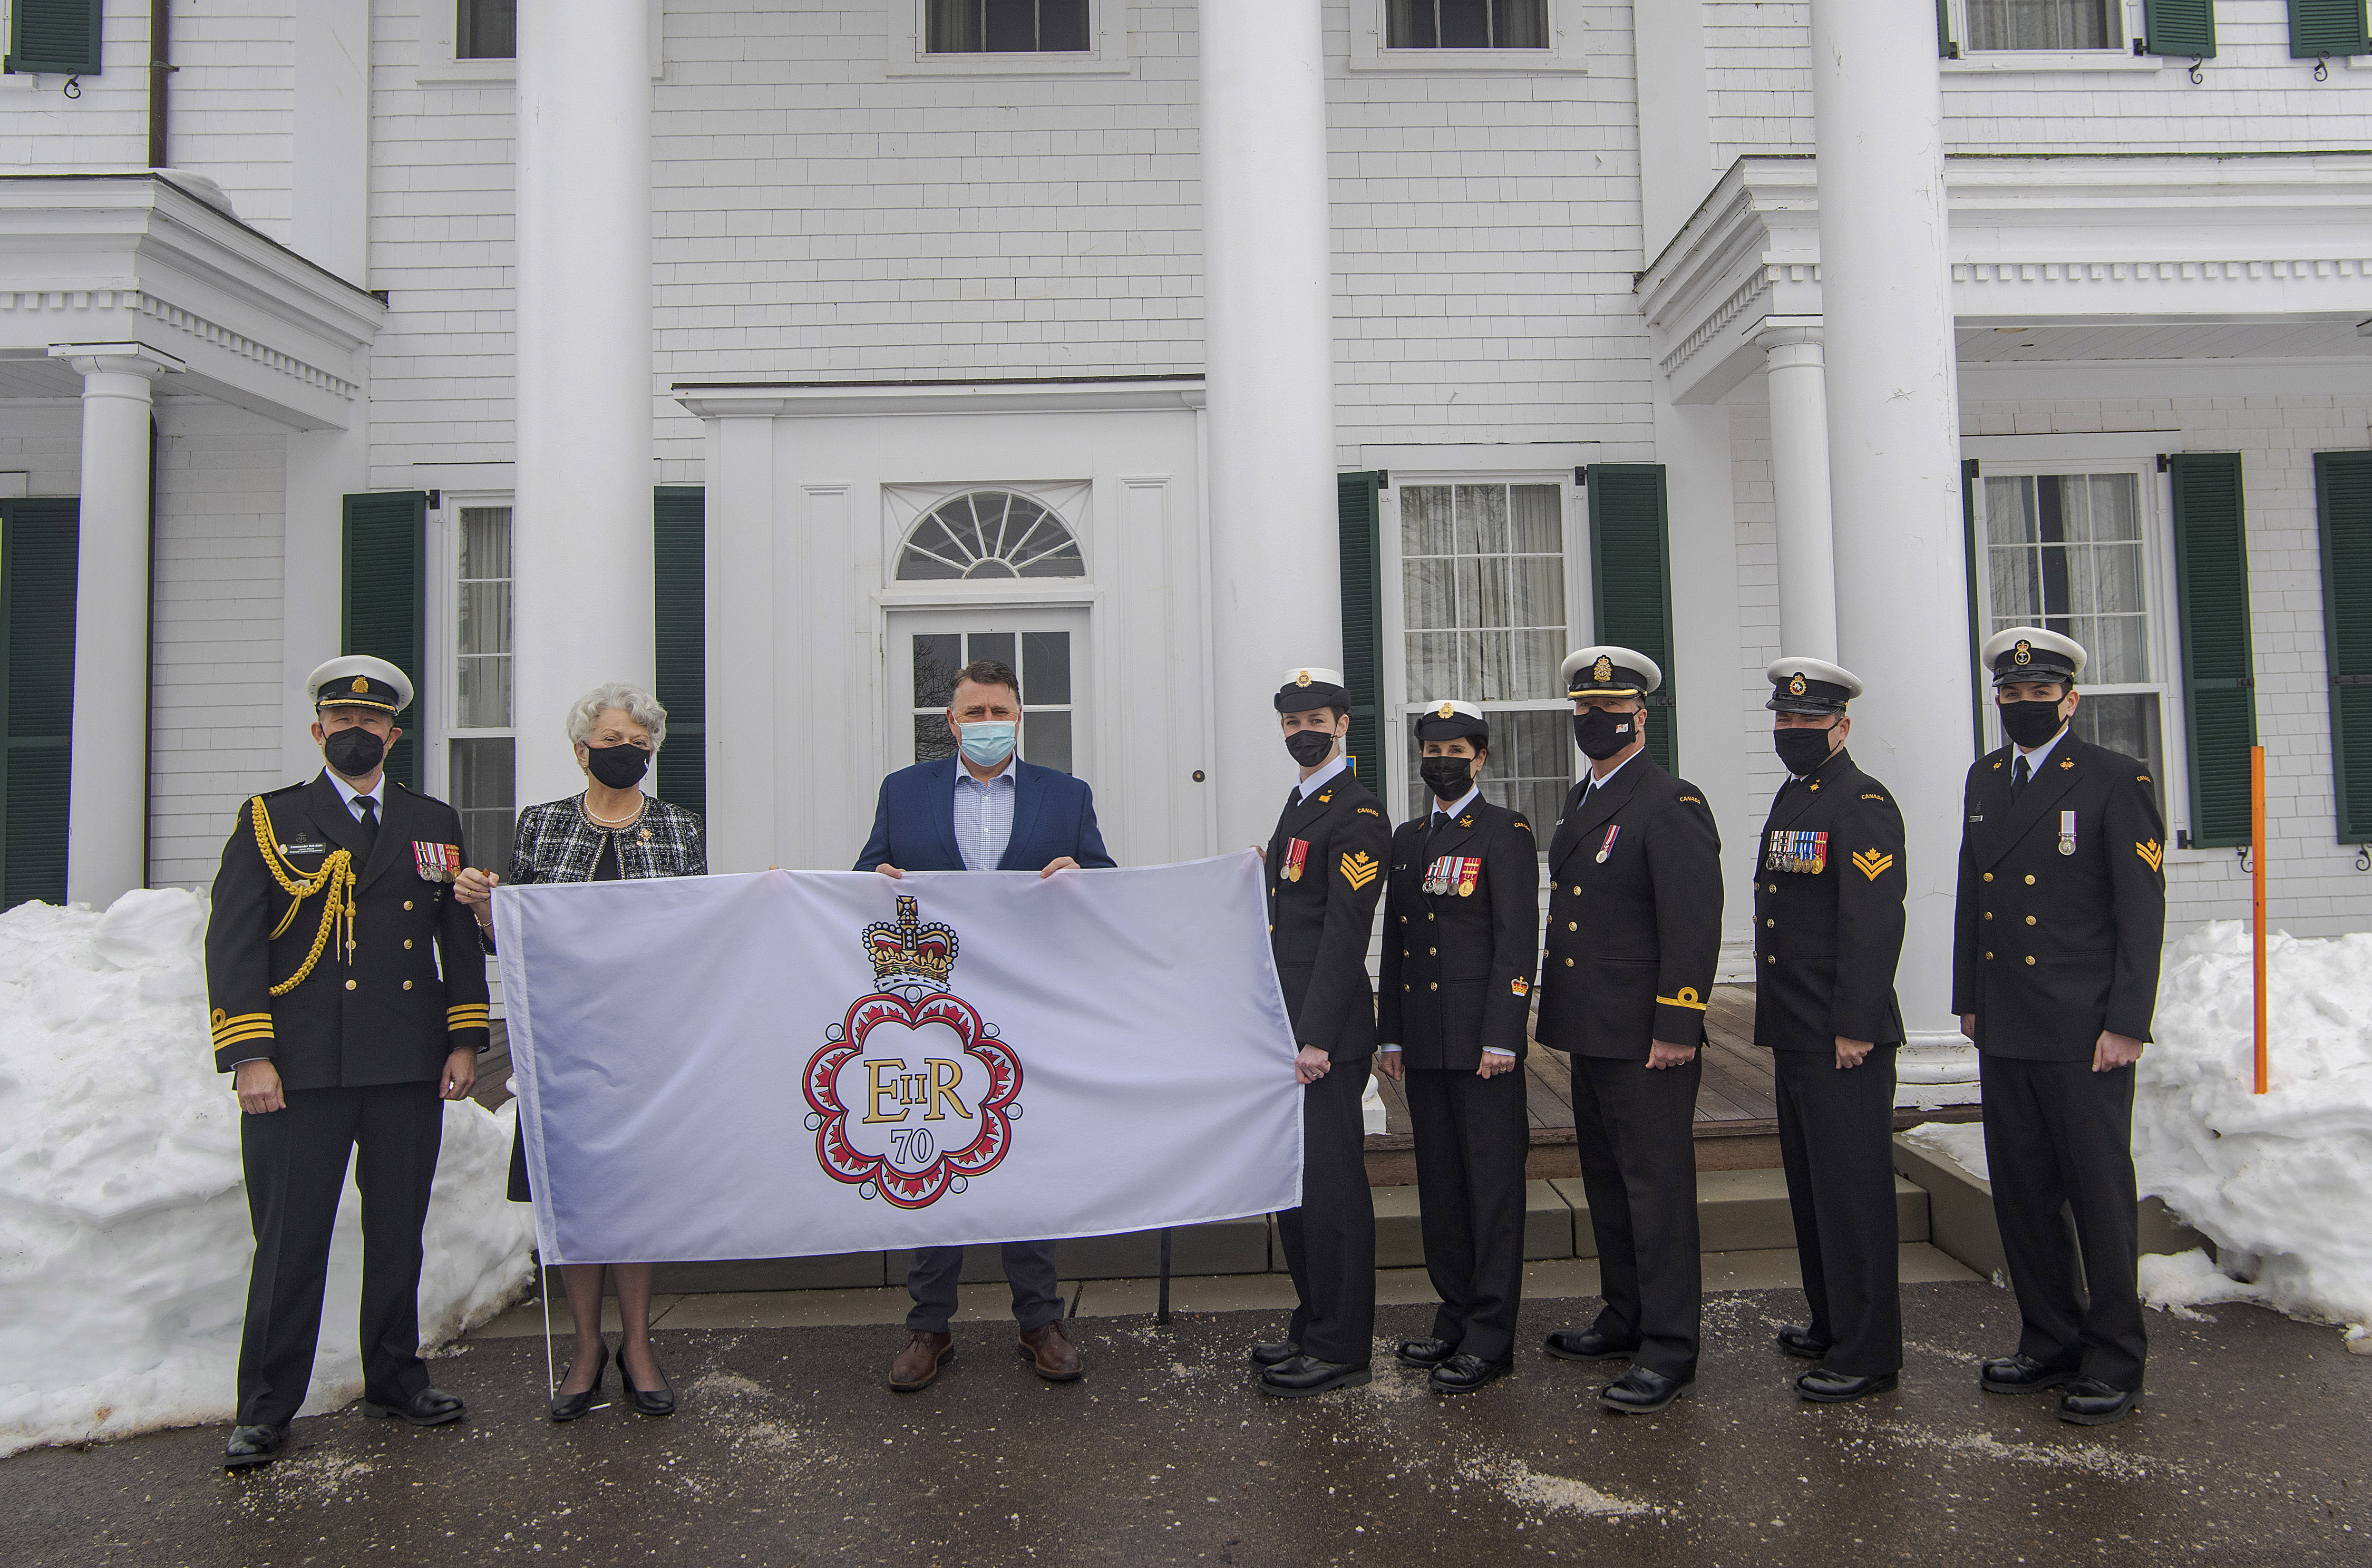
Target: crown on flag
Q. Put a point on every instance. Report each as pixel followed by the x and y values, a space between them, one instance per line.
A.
pixel 910 949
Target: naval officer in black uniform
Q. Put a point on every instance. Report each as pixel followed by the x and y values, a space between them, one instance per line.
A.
pixel 1325 872
pixel 1461 918
pixel 2055 946
pixel 1633 938
pixel 1828 933
pixel 349 1002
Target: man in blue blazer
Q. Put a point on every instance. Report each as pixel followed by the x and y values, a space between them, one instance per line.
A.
pixel 983 809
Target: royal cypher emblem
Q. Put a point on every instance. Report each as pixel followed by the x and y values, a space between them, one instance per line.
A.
pixel 914 1094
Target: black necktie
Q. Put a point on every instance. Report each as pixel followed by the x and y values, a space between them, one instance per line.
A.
pixel 369 820
pixel 1432 829
pixel 2018 777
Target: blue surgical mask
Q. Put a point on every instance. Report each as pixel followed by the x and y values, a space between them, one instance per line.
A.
pixel 988 742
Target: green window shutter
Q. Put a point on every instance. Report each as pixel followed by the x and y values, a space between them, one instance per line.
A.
pixel 1631 582
pixel 40 540
pixel 2342 484
pixel 53 35
pixel 2323 29
pixel 679 606
pixel 386 600
pixel 1945 48
pixel 2219 698
pixel 2184 27
pixel 1357 512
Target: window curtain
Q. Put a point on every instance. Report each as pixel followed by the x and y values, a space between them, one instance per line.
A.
pixel 954 27
pixel 2038 24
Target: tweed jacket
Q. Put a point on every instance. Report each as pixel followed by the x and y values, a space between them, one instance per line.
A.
pixel 556 843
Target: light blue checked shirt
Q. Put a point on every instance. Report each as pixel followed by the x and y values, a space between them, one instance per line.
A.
pixel 984 815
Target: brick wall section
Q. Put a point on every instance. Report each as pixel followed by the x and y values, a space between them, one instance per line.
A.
pixel 216 727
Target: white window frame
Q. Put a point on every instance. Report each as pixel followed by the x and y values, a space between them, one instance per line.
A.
pixel 1567 52
pixel 1108 32
pixel 1400 710
pixel 2158 585
pixel 905 622
pixel 439 722
pixel 2124 14
pixel 441 65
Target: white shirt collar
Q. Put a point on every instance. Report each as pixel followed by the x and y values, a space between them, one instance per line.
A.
pixel 1318 779
pixel 349 794
pixel 2036 758
pixel 1602 782
pixel 1464 802
pixel 1008 772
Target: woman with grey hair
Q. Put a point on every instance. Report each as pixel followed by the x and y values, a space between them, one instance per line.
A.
pixel 609 832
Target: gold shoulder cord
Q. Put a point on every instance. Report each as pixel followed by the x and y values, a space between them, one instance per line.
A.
pixel 337 875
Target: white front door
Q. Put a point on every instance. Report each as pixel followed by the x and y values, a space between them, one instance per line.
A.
pixel 1047 648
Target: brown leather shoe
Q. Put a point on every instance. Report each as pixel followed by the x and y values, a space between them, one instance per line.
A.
pixel 1051 1354
pixel 920 1361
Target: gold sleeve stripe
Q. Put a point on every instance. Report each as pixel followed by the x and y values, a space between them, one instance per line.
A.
pixel 222 1024
pixel 241 1037
pixel 457 1018
pixel 1687 998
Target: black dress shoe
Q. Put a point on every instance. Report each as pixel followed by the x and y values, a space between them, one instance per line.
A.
pixel 1306 1375
pixel 568 1407
pixel 1587 1345
pixel 252 1445
pixel 2090 1402
pixel 1826 1388
pixel 1274 1353
pixel 1799 1341
pixel 2021 1374
pixel 1462 1374
pixel 1640 1389
pixel 1426 1353
pixel 646 1401
pixel 430 1407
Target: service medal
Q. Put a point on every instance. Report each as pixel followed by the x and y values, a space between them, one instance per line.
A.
pixel 437 862
pixel 1296 852
pixel 2067 833
pixel 1470 871
pixel 1613 832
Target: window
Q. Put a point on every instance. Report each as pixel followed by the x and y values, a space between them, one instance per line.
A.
pixel 1006 27
pixel 2043 24
pixel 485 29
pixel 1484 611
pixel 1466 24
pixel 989 534
pixel 482 740
pixel 2068 553
pixel 1043 659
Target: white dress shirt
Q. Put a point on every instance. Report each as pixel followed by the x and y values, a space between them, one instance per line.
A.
pixel 349 794
pixel 2040 755
pixel 984 814
pixel 1308 787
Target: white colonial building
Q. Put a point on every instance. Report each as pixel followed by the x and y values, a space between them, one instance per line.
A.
pixel 784 354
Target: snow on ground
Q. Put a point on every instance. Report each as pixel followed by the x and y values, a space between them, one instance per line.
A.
pixel 2280 1182
pixel 1957 1143
pixel 123 1228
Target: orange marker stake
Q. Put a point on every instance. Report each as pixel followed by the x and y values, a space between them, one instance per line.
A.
pixel 2257 892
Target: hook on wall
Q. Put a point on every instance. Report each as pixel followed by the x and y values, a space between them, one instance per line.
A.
pixel 2364 858
pixel 2244 852
pixel 2195 78
pixel 73 87
pixel 2323 69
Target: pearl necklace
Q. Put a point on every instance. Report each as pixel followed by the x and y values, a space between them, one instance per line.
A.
pixel 584 805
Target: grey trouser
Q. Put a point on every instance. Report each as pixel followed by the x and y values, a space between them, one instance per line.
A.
pixel 1029 1268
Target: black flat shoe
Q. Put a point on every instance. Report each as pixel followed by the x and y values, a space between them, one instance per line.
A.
pixel 252 1445
pixel 2021 1375
pixel 1426 1353
pixel 1640 1389
pixel 1826 1388
pixel 430 1407
pixel 1799 1341
pixel 2090 1402
pixel 1274 1353
pixel 646 1401
pixel 1462 1374
pixel 1587 1345
pixel 568 1407
pixel 1304 1375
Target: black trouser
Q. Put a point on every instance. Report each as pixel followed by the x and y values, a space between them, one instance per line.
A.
pixel 1330 1241
pixel 1471 1139
pixel 1028 1268
pixel 1836 1135
pixel 2059 1140
pixel 1633 1130
pixel 294 1161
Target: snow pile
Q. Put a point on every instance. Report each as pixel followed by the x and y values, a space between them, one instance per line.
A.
pixel 2280 1182
pixel 1955 1143
pixel 123 1227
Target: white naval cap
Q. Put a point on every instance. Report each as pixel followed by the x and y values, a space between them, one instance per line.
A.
pixel 1451 721
pixel 1606 670
pixel 1311 686
pixel 359 681
pixel 2031 653
pixel 1810 686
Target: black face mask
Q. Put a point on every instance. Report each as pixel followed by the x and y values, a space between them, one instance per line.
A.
pixel 1310 747
pixel 355 752
pixel 2029 723
pixel 1802 749
pixel 618 766
pixel 1449 777
pixel 1601 734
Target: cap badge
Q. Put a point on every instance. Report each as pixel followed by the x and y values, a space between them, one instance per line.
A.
pixel 2023 653
pixel 1796 687
pixel 1447 710
pixel 1301 677
pixel 361 684
pixel 1603 669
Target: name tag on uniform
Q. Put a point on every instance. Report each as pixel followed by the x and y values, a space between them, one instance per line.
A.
pixel 1297 854
pixel 1453 873
pixel 304 849
pixel 1804 852
pixel 437 862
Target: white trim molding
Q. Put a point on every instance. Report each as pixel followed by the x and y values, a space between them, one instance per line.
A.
pixel 1108 32
pixel 841 399
pixel 1567 52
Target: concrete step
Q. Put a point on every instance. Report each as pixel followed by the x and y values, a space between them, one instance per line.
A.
pixel 1745 1211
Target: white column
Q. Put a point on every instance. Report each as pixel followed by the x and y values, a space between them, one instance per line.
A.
pixel 1800 485
pixel 1269 356
pixel 1901 580
pixel 107 823
pixel 581 529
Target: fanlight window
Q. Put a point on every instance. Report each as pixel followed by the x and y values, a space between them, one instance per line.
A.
pixel 989 534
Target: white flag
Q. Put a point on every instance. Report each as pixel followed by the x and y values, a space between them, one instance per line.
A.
pixel 789 1064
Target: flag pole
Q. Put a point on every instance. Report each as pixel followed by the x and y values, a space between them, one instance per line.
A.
pixel 2257 894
